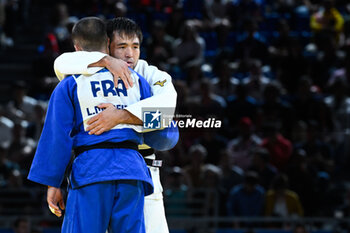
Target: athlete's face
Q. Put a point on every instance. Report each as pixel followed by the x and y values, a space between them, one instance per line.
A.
pixel 126 48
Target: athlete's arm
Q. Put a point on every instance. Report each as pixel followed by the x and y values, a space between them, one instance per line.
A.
pixel 53 152
pixel 110 117
pixel 54 148
pixel 87 63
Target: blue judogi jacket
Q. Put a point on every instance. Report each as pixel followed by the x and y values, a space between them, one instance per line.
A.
pixel 72 103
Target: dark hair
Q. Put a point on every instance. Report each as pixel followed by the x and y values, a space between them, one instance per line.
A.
pixel 124 27
pixel 90 34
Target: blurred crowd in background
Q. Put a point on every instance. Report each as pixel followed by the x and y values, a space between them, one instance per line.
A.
pixel 275 72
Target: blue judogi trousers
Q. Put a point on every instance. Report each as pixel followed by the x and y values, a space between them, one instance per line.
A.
pixel 114 205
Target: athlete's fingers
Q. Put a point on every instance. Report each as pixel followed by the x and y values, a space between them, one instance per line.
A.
pixel 93 119
pixel 98 116
pixel 100 131
pixel 95 129
pixel 55 210
pixel 125 77
pixel 104 105
pixel 52 205
pixel 125 81
pixel 92 126
pixel 128 78
pixel 62 205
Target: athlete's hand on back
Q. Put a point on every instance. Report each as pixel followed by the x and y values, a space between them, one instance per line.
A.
pixel 103 121
pixel 110 117
pixel 118 68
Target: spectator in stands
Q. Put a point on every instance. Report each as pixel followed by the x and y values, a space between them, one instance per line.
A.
pixel 240 105
pixel 34 128
pixel 328 58
pixel 5 41
pixel 119 9
pixel 281 201
pixel 189 47
pixel 214 142
pixel 176 192
pixel 61 23
pixel 195 170
pixel 287 58
pixel 22 106
pixel 339 104
pixel 224 83
pixel 239 149
pixel 176 21
pixel 330 195
pixel 247 199
pixel 216 20
pixel 256 81
pixel 299 133
pixel 6 166
pixel 6 126
pixel 339 101
pixel 232 175
pixel 159 46
pixel 11 12
pixel 320 153
pixel 22 148
pixel 15 180
pixel 275 108
pixel 261 164
pixel 290 67
pixel 183 94
pixel 279 147
pixel 206 104
pixel 327 21
pixel 239 10
pixel 215 10
pixel 212 175
pixel 308 105
pixel 281 41
pixel 251 45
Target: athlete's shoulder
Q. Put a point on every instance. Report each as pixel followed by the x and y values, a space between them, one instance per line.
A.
pixel 141 64
pixel 69 79
pixel 68 83
pixel 143 67
pixel 148 70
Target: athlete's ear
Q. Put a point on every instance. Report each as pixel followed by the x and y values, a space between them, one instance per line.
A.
pixel 108 45
pixel 77 47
